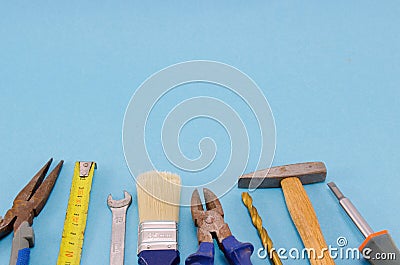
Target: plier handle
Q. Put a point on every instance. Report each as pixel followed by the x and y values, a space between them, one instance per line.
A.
pixel 28 204
pixel 211 225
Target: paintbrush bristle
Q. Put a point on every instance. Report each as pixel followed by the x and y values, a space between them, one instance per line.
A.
pixel 158 196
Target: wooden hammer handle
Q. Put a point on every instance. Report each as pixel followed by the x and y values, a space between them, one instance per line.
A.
pixel 305 220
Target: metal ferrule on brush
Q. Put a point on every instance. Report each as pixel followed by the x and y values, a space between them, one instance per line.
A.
pixel 158 236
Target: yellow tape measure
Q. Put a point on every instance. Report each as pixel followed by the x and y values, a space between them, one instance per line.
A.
pixel 75 218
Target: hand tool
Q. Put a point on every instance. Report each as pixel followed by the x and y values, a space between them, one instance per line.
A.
pixel 158 196
pixel 76 216
pixel 291 178
pixel 257 222
pixel 210 224
pixel 118 209
pixel 376 245
pixel 27 205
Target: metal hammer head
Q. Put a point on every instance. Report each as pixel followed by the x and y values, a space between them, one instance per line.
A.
pixel 307 173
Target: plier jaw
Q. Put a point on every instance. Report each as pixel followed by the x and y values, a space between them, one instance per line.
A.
pixel 30 200
pixel 211 225
pixel 13 219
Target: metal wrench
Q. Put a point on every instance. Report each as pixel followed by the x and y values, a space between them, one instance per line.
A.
pixel 118 209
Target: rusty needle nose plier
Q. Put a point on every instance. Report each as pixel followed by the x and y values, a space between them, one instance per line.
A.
pixel 27 205
pixel 210 224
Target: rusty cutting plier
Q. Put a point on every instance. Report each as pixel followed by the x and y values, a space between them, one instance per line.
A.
pixel 27 205
pixel 210 224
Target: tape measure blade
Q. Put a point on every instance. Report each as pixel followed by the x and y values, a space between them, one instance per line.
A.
pixel 76 217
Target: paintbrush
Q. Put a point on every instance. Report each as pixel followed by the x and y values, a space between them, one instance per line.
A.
pixel 158 203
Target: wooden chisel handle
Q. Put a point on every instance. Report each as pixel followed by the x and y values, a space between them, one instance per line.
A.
pixel 305 220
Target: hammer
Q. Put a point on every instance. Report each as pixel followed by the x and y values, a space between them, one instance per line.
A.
pixel 291 178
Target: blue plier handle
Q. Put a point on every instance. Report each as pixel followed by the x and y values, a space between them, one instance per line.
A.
pixel 23 240
pixel 27 205
pixel 210 224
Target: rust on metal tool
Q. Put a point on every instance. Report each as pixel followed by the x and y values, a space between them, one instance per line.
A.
pixel 30 200
pixel 210 223
pixel 307 173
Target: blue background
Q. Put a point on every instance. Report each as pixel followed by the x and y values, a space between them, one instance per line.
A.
pixel 330 72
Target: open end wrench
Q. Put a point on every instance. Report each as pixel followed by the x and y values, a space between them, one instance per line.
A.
pixel 118 209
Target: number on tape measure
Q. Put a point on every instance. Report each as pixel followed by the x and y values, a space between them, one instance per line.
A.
pixel 76 216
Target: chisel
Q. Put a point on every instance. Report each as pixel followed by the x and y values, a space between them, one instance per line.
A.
pixel 378 247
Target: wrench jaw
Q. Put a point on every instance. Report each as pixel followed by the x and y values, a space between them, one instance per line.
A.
pixel 126 201
pixel 119 209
